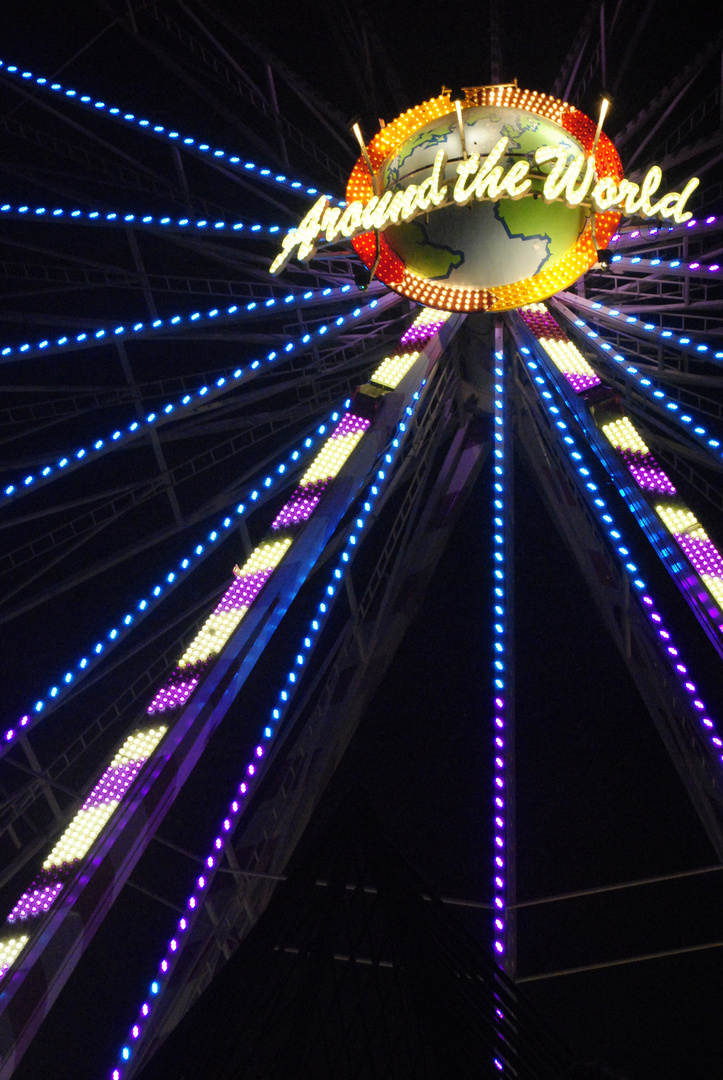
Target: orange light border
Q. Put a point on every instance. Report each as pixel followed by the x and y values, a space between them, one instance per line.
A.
pixel 581 256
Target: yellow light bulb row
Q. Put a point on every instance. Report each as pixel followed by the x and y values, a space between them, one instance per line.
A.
pixel 623 435
pixel 330 458
pixel 389 138
pixel 266 555
pixel 87 824
pixel 80 834
pixel 441 296
pixel 566 356
pixel 139 746
pixel 10 949
pixel 681 521
pixel 514 97
pixel 429 316
pixel 549 281
pixel 222 622
pixel 714 585
pixel 392 370
pixel 212 636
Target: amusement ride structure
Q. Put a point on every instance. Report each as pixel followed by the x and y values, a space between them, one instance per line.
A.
pixel 225 492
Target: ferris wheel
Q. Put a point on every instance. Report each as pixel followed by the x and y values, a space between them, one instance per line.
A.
pixel 226 492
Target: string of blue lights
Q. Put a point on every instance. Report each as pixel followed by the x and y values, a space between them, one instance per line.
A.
pixel 141 608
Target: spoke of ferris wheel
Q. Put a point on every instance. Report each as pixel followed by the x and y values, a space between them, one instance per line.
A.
pixel 181 324
pixel 600 37
pixel 152 178
pixel 322 396
pixel 252 775
pixel 257 497
pixel 503 889
pixel 563 83
pixel 326 114
pixel 143 683
pixel 677 146
pixel 278 472
pixel 646 644
pixel 260 613
pixel 145 222
pixel 119 715
pixel 594 485
pixel 189 402
pixel 107 171
pixel 695 563
pixel 333 702
pixel 240 167
pixel 654 268
pixel 647 327
pixel 669 399
pixel 69 278
pixel 137 165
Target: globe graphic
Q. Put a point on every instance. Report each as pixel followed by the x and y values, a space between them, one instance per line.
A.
pixel 483 244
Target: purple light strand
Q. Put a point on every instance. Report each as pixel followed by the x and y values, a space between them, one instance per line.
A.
pixel 500 509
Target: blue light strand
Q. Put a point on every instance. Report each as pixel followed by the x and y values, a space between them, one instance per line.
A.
pixel 556 406
pixel 674 339
pixel 170 580
pixel 157 131
pixel 686 419
pixel 676 266
pixel 305 648
pixel 118 219
pixel 82 456
pixel 640 502
pixel 499 662
pixel 108 335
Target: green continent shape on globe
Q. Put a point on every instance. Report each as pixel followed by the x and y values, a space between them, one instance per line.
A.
pixel 530 219
pixel 430 260
pixel 420 140
pixel 514 131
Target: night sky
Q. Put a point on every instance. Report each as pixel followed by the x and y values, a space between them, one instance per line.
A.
pixel 598 800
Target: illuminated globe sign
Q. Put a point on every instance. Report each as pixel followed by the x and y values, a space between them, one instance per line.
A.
pixel 489 205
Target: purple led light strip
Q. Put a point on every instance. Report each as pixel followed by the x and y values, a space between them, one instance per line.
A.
pixel 632 237
pixel 647 472
pixel 419 335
